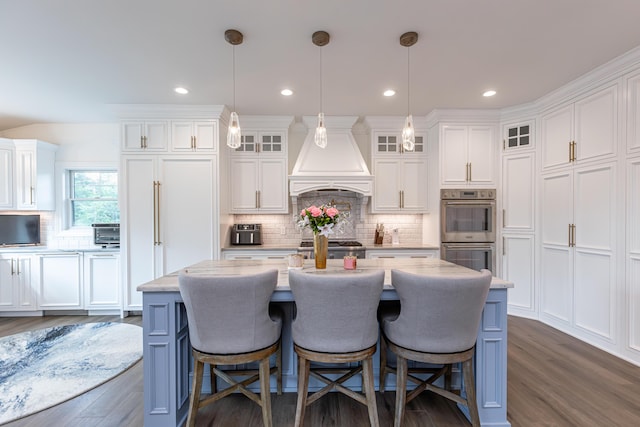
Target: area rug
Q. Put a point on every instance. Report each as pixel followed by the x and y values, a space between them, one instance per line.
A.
pixel 42 368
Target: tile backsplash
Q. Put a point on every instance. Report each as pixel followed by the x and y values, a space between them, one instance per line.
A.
pixel 281 229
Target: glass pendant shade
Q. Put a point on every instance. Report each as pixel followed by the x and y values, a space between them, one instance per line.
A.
pixel 321 132
pixel 408 134
pixel 233 134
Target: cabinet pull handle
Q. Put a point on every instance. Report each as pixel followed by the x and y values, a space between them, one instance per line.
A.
pixel 504 217
pixel 504 250
pixel 470 179
pixel 400 198
pixel 570 151
pixel 259 199
pixel 573 237
pixel 569 235
pixel 574 150
pixel 158 213
pixel 12 270
pixel 141 141
pixel 256 201
pixel 18 266
pixel 31 191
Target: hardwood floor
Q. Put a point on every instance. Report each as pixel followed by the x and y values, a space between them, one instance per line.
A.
pixel 553 380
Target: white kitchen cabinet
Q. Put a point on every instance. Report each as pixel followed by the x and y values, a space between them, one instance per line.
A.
pixel 518 192
pixel 518 136
pixel 259 167
pixel 199 135
pixel 265 143
pixel 386 143
pixel 144 135
pixel 633 255
pixel 518 266
pixel 169 212
pixel 400 185
pixel 467 155
pixel 59 278
pixel 102 281
pixel 17 291
pixel 7 173
pixel 584 130
pixel 259 185
pixel 240 254
pixel 578 265
pixel 34 175
pixel 373 253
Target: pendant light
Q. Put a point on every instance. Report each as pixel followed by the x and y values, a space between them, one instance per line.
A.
pixel 234 37
pixel 408 132
pixel 320 38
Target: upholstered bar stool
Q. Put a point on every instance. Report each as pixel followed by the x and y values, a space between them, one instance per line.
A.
pixel 229 324
pixel 336 323
pixel 438 324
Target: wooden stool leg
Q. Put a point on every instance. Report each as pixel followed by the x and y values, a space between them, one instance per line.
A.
pixel 383 362
pixel 303 386
pixel 279 368
pixel 198 371
pixel 212 374
pixel 265 391
pixel 401 389
pixel 470 389
pixel 370 391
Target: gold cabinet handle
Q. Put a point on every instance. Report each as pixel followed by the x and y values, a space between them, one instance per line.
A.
pixel 573 237
pixel 504 249
pixel 400 198
pixel 470 178
pixel 141 141
pixel 158 211
pixel 504 217
pixel 570 151
pixel 13 272
pixel 574 151
pixel 259 199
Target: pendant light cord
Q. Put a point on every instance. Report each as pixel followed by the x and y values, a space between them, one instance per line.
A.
pixel 408 81
pixel 233 50
pixel 321 79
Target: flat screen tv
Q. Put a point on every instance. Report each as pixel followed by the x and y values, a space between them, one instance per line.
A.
pixel 19 230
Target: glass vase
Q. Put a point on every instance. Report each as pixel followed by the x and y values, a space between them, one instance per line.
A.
pixel 320 250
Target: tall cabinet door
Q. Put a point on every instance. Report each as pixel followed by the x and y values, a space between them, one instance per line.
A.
pixel 518 194
pixel 414 177
pixel 596 119
pixel 244 183
pixel 595 237
pixel 556 128
pixel 481 157
pixel 454 155
pixel 273 174
pixel 633 253
pixel 138 231
pixel 186 211
pixel 557 261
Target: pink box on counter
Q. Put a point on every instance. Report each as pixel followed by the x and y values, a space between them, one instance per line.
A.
pixel 350 262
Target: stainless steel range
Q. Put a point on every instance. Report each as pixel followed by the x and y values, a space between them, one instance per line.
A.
pixel 338 249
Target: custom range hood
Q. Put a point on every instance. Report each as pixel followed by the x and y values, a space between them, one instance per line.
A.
pixel 338 166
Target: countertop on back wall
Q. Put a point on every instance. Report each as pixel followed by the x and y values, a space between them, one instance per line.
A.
pixel 46 249
pixel 371 246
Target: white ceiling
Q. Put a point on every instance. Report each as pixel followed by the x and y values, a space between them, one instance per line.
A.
pixel 66 60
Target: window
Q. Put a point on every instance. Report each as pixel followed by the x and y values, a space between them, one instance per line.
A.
pixel 518 136
pixel 93 197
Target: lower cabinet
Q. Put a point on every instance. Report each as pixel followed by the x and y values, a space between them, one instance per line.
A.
pixel 101 281
pixel 82 280
pixel 17 292
pixel 59 281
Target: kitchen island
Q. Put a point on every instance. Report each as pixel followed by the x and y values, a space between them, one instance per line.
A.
pixel 167 353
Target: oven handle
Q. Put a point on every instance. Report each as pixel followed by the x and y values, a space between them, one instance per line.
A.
pixel 463 246
pixel 491 203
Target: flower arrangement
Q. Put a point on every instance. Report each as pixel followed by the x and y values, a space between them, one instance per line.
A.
pixel 323 220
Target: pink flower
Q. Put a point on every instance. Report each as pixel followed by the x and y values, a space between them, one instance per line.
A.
pixel 331 212
pixel 303 212
pixel 315 211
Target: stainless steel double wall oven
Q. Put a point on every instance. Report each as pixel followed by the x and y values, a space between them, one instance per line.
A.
pixel 468 227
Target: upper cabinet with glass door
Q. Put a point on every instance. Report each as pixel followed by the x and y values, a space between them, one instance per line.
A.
pixel 518 136
pixel 390 143
pixel 263 143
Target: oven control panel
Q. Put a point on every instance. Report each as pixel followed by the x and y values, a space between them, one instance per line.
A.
pixel 466 194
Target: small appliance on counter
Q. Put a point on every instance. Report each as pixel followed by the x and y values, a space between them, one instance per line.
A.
pixel 106 235
pixel 246 234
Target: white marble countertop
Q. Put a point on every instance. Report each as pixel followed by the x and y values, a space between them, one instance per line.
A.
pixel 169 282
pixel 367 246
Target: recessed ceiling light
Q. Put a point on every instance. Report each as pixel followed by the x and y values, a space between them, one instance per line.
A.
pixel 286 92
pixel 489 93
pixel 389 92
pixel 181 90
